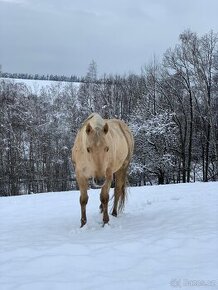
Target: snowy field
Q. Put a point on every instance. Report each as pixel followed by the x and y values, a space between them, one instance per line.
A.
pixel 35 86
pixel 166 239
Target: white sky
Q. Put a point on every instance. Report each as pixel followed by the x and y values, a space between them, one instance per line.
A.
pixel 62 37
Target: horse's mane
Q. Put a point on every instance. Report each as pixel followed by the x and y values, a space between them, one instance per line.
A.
pixel 91 117
pixel 86 120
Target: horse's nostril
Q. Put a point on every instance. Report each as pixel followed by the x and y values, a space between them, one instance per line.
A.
pixel 98 182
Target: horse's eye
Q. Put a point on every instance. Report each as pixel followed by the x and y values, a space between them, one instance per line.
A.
pixel 88 149
pixel 106 149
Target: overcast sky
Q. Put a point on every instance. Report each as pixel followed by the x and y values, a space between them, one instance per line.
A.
pixel 63 37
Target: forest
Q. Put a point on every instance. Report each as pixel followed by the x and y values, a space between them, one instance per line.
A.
pixel 171 108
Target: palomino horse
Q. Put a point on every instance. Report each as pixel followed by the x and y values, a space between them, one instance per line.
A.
pixel 102 148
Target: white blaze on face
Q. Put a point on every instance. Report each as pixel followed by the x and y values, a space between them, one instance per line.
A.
pixel 97 149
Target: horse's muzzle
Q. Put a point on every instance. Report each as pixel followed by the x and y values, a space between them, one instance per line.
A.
pixel 98 182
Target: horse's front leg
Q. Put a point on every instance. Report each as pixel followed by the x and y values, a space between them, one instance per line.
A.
pixel 104 197
pixel 83 186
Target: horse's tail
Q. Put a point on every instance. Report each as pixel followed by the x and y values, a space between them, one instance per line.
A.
pixel 122 173
pixel 123 193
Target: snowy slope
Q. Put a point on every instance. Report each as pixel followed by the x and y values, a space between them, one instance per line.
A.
pixel 165 239
pixel 37 85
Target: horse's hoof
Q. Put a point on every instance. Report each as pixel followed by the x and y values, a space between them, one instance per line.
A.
pixel 114 213
pixel 105 224
pixel 83 222
pixel 106 219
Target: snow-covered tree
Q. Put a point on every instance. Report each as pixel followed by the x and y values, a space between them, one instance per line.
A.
pixel 155 140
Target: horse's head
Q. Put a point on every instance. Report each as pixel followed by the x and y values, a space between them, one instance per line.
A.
pixel 98 152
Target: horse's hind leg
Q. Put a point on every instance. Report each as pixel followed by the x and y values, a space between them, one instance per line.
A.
pixel 116 195
pixel 101 208
pixel 119 190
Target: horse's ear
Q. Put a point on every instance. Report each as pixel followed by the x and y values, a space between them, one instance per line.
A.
pixel 88 128
pixel 105 128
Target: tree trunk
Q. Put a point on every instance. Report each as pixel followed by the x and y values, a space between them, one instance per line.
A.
pixel 207 153
pixel 190 138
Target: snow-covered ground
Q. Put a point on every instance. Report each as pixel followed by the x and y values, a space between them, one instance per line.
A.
pixel 35 86
pixel 165 239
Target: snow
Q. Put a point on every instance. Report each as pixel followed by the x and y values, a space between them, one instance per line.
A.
pixel 165 239
pixel 37 85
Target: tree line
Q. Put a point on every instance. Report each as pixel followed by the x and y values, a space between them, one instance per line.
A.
pixel 43 77
pixel 172 109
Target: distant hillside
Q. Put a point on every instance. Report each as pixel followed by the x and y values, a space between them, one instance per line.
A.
pixel 50 77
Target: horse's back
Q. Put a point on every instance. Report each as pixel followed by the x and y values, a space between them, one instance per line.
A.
pixel 122 135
